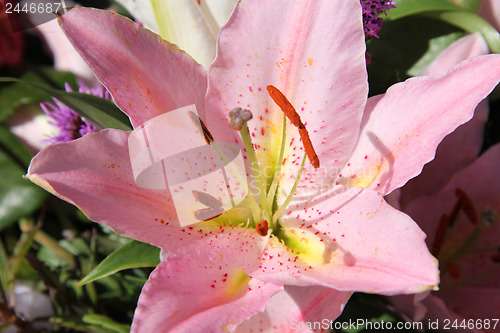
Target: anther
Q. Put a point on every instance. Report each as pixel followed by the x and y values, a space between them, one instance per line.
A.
pixel 465 203
pixel 262 228
pixel 294 117
pixel 440 235
pixel 239 117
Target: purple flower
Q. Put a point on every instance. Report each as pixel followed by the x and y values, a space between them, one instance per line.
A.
pixel 371 20
pixel 71 125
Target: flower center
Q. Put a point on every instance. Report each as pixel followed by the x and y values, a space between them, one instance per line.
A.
pixel 263 211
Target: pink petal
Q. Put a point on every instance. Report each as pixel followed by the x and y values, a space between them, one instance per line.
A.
pixel 313 53
pixel 444 308
pixel 456 151
pixel 477 303
pixel 146 75
pixel 368 246
pixel 403 127
pixel 461 147
pixel 480 183
pixel 205 289
pixel 428 309
pixel 291 309
pixel 465 48
pixel 94 173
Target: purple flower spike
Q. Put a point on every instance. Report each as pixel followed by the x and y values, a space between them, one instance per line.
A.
pixel 371 20
pixel 71 125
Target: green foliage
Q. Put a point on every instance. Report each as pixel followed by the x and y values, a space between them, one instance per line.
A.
pixel 18 196
pixel 102 113
pixel 20 93
pixel 131 255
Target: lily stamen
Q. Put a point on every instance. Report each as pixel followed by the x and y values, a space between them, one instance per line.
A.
pixel 294 117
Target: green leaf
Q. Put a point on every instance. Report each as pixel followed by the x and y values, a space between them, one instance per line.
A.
pixel 9 144
pixel 470 22
pixel 19 93
pixel 105 322
pixel 78 323
pixel 460 13
pixel 411 7
pixel 18 196
pixel 131 255
pixel 102 113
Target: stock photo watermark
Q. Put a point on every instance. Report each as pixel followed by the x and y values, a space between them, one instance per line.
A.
pixel 174 151
pixel 366 324
pixel 26 14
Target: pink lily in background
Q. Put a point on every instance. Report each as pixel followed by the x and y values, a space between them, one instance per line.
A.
pixel 462 224
pixel 323 238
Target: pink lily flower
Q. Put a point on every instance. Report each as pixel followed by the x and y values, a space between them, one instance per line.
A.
pixel 321 233
pixel 467 211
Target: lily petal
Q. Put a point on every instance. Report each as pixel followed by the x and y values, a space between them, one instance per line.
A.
pixel 203 290
pixel 477 303
pixel 354 241
pixel 402 128
pixel 221 9
pixel 295 307
pixel 479 182
pixel 94 174
pixel 465 48
pixel 146 75
pixel 315 56
pixel 461 147
pixel 189 25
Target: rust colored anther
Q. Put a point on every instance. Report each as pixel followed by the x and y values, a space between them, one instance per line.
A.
pixel 294 117
pixel 464 203
pixel 262 228
pixel 438 242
